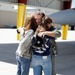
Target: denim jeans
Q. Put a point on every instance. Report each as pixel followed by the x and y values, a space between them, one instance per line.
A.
pixel 23 65
pixel 40 62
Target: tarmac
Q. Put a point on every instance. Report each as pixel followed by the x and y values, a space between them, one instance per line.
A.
pixel 9 43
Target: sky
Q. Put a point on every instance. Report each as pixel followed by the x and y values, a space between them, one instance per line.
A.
pixel 73 4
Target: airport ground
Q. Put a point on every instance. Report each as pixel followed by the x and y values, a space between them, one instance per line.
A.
pixel 65 61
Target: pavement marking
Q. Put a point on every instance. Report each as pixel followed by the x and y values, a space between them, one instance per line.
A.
pixel 10 69
pixel 7 68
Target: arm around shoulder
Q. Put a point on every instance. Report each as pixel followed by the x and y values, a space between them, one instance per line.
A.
pixel 57 33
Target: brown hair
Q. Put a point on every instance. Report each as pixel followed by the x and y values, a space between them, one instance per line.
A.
pixel 32 23
pixel 48 21
pixel 42 28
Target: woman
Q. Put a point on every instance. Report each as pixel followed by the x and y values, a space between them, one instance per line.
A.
pixel 55 33
pixel 23 53
pixel 41 58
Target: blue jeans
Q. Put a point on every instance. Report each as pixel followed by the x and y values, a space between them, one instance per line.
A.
pixel 40 62
pixel 23 65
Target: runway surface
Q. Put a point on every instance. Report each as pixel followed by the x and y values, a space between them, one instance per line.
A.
pixel 65 61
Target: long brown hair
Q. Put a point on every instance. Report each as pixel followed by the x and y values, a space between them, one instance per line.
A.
pixel 31 22
pixel 41 28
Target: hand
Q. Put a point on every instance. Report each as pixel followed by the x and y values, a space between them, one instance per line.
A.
pixel 18 31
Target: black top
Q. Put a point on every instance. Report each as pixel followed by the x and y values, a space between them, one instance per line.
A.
pixel 41 46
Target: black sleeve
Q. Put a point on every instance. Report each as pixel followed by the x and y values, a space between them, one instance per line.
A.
pixel 52 28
